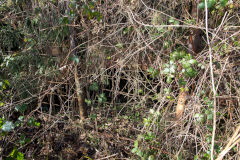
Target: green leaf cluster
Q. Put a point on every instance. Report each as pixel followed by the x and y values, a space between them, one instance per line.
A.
pixel 15 155
pixel 173 21
pixel 21 108
pixel 211 4
pixel 94 87
pixel 102 98
pixel 8 126
pixel 23 139
pixel 186 62
pixel 89 9
pixel 153 72
pixel 33 122
pixel 10 38
pixel 143 152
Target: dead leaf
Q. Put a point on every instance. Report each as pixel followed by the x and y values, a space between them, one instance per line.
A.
pixel 181 104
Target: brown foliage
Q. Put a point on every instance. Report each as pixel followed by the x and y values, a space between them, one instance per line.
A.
pixel 182 98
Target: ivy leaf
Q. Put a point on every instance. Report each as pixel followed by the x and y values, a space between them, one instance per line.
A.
pixel 151 157
pixel 120 45
pixel 7 82
pixel 8 126
pixel 102 98
pixel 1 122
pixel 169 79
pixel 4 86
pixel 134 150
pixel 176 23
pixel 166 45
pixel 172 69
pixel 210 116
pixel 75 59
pixel 166 70
pixel 171 20
pixel 136 143
pixel 94 87
pixel 88 102
pixel 199 117
pixel 91 5
pixel 186 65
pixel 139 153
pixel 32 122
pixel 192 61
pixel 201 5
pixel 21 108
pixel 37 124
pixel 160 29
pixel 182 82
pixel 125 31
pixel 223 2
pixel 210 4
pixel 93 116
pixel 155 73
pixel 99 18
pixel 190 72
pixel 22 139
pixel 150 70
pixel 20 156
pixel 140 91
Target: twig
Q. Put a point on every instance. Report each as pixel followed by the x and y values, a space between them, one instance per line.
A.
pixel 222 73
pixel 79 94
pixel 233 141
pixel 212 79
pixel 108 156
pixel 220 26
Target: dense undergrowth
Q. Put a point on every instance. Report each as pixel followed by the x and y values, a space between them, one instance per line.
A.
pixel 119 79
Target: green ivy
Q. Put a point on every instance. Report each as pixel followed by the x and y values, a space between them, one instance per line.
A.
pixel 15 155
pixel 211 4
pixel 185 61
pixel 89 10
